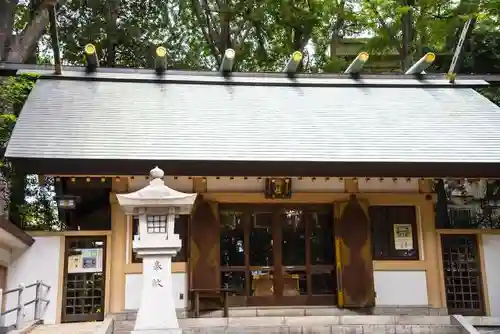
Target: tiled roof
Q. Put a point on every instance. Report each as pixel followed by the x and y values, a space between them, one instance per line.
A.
pixel 135 120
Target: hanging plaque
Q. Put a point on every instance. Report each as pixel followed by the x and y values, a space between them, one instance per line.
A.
pixel 403 237
pixel 278 188
pixel 86 260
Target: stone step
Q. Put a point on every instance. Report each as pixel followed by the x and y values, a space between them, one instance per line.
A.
pixel 311 324
pixel 70 328
pixel 123 325
pixel 323 320
pixel 336 329
pixel 292 311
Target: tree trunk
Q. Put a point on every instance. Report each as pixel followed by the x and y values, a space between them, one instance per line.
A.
pixel 112 32
pixel 407 25
pixel 25 45
pixel 32 57
pixel 335 36
pixel 16 198
pixel 7 14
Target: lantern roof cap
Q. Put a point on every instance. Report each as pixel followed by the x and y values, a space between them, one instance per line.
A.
pixel 156 195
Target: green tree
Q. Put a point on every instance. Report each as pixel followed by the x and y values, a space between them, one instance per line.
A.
pixel 39 209
pixel 22 27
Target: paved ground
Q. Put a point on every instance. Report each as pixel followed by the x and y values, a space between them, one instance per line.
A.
pixel 489 330
pixel 76 328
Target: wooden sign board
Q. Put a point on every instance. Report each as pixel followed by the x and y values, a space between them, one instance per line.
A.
pixel 278 188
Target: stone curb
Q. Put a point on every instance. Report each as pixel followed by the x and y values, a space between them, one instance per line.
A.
pixel 28 327
pixel 315 320
pixel 106 327
pixel 465 326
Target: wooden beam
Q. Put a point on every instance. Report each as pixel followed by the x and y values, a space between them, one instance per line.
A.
pixel 351 185
pixel 199 184
pixel 425 186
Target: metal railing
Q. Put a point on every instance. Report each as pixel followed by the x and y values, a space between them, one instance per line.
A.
pixel 39 301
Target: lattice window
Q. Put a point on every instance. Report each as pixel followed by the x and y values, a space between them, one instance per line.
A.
pixel 156 224
pixel 462 274
pixel 84 294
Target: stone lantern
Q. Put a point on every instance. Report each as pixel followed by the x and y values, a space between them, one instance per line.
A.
pixel 156 205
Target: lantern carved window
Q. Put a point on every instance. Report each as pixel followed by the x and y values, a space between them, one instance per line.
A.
pixel 157 224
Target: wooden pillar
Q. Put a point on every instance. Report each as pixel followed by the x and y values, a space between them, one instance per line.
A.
pixel 3 284
pixel 199 185
pixel 431 253
pixel 351 185
pixel 118 247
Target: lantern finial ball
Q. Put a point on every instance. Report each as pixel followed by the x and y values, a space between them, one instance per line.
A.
pixel 156 173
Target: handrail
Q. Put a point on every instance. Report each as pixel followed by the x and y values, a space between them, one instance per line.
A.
pixel 38 300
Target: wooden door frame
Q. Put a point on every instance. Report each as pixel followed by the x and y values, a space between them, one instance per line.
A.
pixel 277 236
pixel 97 316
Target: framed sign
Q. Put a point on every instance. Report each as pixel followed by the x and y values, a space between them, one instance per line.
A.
pixel 403 237
pixel 85 261
pixel 278 188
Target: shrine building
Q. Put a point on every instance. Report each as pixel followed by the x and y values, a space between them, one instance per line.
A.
pixel 313 189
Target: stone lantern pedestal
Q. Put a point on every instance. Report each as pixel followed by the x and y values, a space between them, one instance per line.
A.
pixel 156 205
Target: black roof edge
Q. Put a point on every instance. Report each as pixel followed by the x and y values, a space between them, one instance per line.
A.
pixel 325 82
pixel 14 230
pixel 149 75
pixel 113 167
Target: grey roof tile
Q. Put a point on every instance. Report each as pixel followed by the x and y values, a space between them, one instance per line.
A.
pixel 126 120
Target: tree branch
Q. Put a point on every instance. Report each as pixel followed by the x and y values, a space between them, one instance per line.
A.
pixel 336 26
pixel 384 25
pixel 206 30
pixel 24 45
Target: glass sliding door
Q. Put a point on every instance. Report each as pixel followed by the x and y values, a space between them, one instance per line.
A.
pixel 278 255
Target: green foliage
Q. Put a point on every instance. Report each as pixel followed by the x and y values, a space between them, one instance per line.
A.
pixel 13 93
pixel 491 93
pixel 39 209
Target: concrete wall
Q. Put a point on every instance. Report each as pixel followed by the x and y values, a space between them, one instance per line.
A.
pixel 491 249
pixel 401 288
pixel 39 262
pixel 133 288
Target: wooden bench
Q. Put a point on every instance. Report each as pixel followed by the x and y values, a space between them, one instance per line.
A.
pixel 224 292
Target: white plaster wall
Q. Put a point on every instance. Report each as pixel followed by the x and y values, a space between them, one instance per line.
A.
pixel 491 249
pixel 39 262
pixel 403 288
pixel 133 287
pixel 5 256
